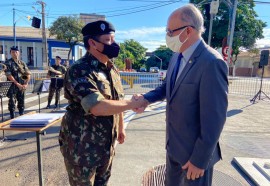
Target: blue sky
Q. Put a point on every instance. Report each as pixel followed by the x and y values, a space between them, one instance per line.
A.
pixel 141 20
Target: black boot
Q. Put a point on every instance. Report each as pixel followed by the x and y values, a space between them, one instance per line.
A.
pixel 12 114
pixel 56 104
pixel 21 112
pixel 49 105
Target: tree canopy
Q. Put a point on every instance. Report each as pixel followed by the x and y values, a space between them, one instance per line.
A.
pixel 248 28
pixel 163 53
pixel 123 55
pixel 133 51
pixel 67 28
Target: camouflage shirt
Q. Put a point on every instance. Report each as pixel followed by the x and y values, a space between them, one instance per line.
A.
pixel 60 68
pixel 84 138
pixel 16 69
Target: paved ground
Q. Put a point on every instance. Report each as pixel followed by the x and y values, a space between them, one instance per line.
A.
pixel 246 134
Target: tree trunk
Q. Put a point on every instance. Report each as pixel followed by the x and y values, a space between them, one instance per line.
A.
pixel 70 49
pixel 234 69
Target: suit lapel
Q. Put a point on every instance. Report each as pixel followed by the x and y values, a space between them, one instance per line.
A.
pixel 191 62
pixel 169 74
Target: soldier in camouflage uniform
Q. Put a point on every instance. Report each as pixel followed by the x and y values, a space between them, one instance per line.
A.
pixel 94 117
pixel 17 72
pixel 56 71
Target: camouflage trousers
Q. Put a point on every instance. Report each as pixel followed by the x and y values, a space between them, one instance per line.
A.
pixel 19 96
pixel 53 90
pixel 89 176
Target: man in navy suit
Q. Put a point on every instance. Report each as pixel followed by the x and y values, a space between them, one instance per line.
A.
pixel 196 90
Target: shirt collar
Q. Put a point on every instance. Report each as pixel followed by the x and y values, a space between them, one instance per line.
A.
pixel 190 50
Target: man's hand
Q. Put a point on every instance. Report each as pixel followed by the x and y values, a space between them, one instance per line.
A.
pixel 193 172
pixel 144 103
pixel 121 136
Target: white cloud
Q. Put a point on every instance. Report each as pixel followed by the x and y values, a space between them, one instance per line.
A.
pixel 152 37
pixel 152 45
pixel 143 32
pixel 265 42
pixel 149 37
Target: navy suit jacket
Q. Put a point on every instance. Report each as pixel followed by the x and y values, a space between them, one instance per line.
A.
pixel 196 108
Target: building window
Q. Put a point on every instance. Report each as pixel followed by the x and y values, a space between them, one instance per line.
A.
pixel 80 53
pixel 1 49
pixel 30 56
pixel 6 52
pixel 36 57
pixel 42 57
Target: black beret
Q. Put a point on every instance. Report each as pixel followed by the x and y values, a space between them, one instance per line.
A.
pixel 14 48
pixel 58 57
pixel 98 28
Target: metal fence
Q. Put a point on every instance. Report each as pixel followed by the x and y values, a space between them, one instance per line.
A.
pixel 136 83
pixel 36 75
pixel 143 82
pixel 248 86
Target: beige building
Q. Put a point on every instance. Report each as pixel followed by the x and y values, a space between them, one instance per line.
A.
pixel 247 64
pixel 88 18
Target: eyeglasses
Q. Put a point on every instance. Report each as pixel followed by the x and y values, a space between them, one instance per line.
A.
pixel 170 32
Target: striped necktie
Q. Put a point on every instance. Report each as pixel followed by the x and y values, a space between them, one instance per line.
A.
pixel 175 71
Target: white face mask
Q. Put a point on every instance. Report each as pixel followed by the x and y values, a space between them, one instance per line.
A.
pixel 174 42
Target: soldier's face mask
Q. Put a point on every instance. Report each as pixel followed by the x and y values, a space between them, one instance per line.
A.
pixel 111 50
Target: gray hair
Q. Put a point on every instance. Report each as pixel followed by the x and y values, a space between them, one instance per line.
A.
pixel 193 16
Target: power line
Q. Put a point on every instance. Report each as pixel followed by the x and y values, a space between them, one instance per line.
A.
pixel 25 12
pixel 23 17
pixel 5 14
pixel 157 4
pixel 129 10
pixel 148 1
pixel 132 12
pixel 261 2
pixel 119 10
pixel 17 4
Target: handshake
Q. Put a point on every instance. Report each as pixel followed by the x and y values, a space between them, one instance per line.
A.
pixel 138 103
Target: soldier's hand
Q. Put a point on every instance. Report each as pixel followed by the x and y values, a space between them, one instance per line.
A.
pixel 121 136
pixel 20 86
pixel 24 87
pixel 139 99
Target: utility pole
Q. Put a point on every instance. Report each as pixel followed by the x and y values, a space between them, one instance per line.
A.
pixel 232 10
pixel 159 59
pixel 14 27
pixel 213 11
pixel 44 38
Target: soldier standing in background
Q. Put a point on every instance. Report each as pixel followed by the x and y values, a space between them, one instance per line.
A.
pixel 55 71
pixel 17 72
pixel 94 117
pixel 66 64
